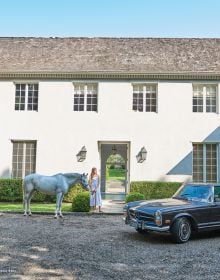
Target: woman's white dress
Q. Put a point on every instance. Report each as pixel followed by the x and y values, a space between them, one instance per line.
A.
pixel 95 198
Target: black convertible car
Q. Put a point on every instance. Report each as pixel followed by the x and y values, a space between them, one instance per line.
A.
pixel 194 207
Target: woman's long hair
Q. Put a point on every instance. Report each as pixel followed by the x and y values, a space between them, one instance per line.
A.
pixel 93 172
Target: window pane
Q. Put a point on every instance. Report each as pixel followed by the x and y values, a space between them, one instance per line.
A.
pixel 197 162
pixel 151 98
pixel 197 98
pixel 19 97
pixel 78 102
pixel 23 159
pixel 30 158
pixel 22 107
pixel 32 97
pixel 211 162
pixel 92 99
pixel 211 91
pixel 17 159
pixel 138 98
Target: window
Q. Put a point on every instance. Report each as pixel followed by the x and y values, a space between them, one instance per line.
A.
pixel 138 93
pixel 26 97
pixel 145 98
pixel 205 98
pixel 198 162
pixel 85 97
pixel 23 158
pixel 211 163
pixel 205 163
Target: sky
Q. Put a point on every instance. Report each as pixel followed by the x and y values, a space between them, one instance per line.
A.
pixel 110 18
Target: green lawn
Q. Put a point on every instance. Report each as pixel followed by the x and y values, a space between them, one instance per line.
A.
pixel 35 207
pixel 115 174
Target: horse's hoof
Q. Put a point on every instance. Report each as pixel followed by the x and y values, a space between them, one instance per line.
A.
pixel 61 216
pixel 29 214
pixel 55 217
pixel 25 214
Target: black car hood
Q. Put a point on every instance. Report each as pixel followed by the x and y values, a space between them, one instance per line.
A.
pixel 165 205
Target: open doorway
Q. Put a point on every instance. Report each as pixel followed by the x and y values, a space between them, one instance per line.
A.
pixel 114 170
pixel 115 174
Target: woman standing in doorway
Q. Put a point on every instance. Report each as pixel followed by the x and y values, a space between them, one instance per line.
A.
pixel 95 194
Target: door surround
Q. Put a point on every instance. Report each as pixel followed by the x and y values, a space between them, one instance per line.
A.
pixel 123 148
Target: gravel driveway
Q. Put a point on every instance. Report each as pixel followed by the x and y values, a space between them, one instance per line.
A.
pixel 99 247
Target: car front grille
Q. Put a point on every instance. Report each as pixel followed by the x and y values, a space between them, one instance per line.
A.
pixel 140 215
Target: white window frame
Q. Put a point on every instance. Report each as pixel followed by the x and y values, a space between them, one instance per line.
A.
pixel 204 92
pixel 145 85
pixel 204 173
pixel 33 157
pixel 26 103
pixel 85 92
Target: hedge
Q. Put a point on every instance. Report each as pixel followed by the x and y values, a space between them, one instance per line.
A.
pixel 155 190
pixel 73 192
pixel 11 190
pixel 134 196
pixel 81 202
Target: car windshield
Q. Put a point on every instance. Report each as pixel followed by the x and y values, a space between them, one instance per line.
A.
pixel 191 192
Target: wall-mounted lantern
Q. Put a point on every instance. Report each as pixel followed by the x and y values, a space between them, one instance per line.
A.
pixel 114 150
pixel 81 156
pixel 142 155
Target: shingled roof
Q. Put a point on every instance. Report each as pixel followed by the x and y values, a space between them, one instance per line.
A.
pixel 110 55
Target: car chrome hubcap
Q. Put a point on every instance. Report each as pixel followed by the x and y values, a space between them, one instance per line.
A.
pixel 185 231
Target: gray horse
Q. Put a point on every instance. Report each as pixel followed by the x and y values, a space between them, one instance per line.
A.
pixel 58 185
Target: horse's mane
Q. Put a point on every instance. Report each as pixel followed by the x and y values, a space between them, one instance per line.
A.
pixel 71 175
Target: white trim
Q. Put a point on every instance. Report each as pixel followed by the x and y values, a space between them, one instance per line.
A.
pixel 204 91
pixel 128 163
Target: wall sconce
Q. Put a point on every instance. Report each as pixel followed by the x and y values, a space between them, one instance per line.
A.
pixel 142 155
pixel 114 150
pixel 81 156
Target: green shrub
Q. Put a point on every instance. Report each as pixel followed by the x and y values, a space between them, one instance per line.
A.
pixel 134 196
pixel 155 190
pixel 11 190
pixel 42 197
pixel 73 192
pixel 81 202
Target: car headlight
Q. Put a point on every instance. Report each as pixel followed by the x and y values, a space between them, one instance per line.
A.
pixel 158 218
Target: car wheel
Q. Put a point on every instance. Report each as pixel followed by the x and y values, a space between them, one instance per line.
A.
pixel 181 230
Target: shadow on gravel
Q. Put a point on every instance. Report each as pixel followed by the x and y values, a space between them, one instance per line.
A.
pixel 150 237
pixel 158 238
pixel 206 235
pixel 100 247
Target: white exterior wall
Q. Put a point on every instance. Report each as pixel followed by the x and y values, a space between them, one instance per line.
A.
pixel 60 132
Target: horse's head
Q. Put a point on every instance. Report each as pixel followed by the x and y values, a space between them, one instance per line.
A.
pixel 84 181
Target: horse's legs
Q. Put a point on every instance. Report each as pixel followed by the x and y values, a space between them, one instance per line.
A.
pixel 59 196
pixel 60 205
pixel 28 202
pixel 25 203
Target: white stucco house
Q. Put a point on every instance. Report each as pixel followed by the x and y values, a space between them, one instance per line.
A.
pixel 58 95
